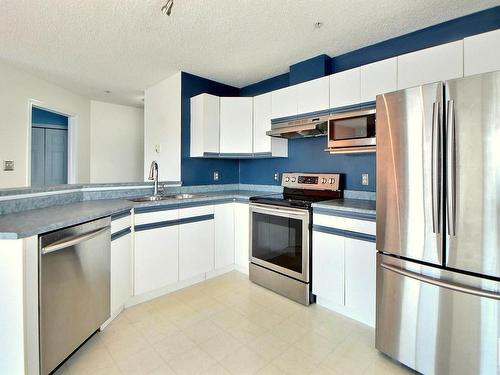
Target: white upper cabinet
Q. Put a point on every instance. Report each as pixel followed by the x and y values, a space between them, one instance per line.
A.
pixel 482 53
pixel 378 78
pixel 345 88
pixel 313 96
pixel 284 102
pixel 236 125
pixel 204 125
pixel 262 143
pixel 431 65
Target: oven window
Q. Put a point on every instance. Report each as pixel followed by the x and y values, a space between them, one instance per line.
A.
pixel 352 128
pixel 277 240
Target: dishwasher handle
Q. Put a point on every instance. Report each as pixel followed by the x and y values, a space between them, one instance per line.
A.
pixel 71 241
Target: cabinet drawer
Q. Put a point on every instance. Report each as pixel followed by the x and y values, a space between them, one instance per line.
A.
pixel 121 223
pixel 154 217
pixel 353 225
pixel 195 211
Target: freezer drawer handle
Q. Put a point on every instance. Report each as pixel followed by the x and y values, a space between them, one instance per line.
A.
pixel 443 284
pixel 71 241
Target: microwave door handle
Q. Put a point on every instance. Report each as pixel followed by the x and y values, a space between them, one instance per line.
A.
pixel 451 168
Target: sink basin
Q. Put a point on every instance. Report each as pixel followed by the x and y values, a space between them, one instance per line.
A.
pixel 152 198
pixel 155 198
pixel 187 196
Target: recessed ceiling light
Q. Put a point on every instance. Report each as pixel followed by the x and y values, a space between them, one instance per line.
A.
pixel 318 25
pixel 167 8
pixel 107 92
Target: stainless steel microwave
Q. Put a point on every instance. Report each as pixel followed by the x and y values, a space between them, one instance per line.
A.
pixel 354 129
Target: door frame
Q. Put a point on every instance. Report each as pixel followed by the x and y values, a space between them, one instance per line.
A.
pixel 72 138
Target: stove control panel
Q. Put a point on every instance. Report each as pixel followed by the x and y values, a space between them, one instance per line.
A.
pixel 316 181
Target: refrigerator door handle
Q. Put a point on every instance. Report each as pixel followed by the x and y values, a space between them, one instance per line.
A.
pixel 451 168
pixel 443 284
pixel 435 167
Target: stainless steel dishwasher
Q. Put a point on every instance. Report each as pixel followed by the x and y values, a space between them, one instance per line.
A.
pixel 74 292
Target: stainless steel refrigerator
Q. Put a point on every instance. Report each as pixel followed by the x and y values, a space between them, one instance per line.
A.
pixel 438 226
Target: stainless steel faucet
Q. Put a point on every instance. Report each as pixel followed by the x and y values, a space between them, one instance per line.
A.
pixel 153 175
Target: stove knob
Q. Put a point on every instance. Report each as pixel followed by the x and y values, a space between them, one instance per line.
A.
pixel 293 179
pixel 287 179
pixel 324 180
pixel 332 180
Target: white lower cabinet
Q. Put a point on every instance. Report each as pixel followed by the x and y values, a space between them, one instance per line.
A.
pixel 360 279
pixel 241 236
pixel 328 267
pixel 196 241
pixel 156 260
pixel 344 274
pixel 120 272
pixel 224 235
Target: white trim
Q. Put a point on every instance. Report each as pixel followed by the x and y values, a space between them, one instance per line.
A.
pixel 72 138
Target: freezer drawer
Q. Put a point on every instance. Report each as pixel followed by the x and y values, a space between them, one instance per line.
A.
pixel 436 321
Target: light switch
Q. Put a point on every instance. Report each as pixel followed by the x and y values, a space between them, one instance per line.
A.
pixel 8 165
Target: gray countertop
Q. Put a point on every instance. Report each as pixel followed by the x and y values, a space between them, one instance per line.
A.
pixel 33 222
pixel 361 206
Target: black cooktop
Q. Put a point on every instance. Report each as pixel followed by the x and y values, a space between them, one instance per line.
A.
pixel 298 198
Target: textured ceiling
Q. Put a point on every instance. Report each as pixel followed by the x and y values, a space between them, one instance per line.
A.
pixel 127 45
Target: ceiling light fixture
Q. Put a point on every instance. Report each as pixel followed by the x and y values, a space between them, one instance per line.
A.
pixel 167 8
pixel 318 25
pixel 107 91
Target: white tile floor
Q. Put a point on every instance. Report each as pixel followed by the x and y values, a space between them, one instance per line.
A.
pixel 228 325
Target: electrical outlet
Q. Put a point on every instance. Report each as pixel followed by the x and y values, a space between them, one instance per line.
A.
pixel 216 175
pixel 8 165
pixel 276 176
pixel 364 179
pixel 158 148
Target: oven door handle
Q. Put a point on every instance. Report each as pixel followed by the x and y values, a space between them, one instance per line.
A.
pixel 277 210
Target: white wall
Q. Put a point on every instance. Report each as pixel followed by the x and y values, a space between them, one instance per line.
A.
pixel 162 126
pixel 16 90
pixel 116 143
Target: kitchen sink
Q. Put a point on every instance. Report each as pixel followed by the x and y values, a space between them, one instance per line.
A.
pixel 155 198
pixel 152 198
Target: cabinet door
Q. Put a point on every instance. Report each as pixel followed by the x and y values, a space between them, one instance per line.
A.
pixel 241 235
pixel 120 272
pixel 328 267
pixel 156 259
pixel 345 88
pixel 261 123
pixel 284 102
pixel 378 78
pixel 196 248
pixel 481 53
pixel 431 65
pixel 313 96
pixel 204 125
pixel 360 279
pixel 224 235
pixel 236 125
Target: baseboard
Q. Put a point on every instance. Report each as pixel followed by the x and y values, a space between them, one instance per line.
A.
pixel 242 269
pixel 220 271
pixel 113 316
pixel 343 310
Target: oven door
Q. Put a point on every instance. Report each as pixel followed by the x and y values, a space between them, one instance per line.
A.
pixel 279 239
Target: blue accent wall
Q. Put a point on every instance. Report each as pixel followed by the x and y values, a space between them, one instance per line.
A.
pixel 307 155
pixel 41 116
pixel 310 69
pixel 199 171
